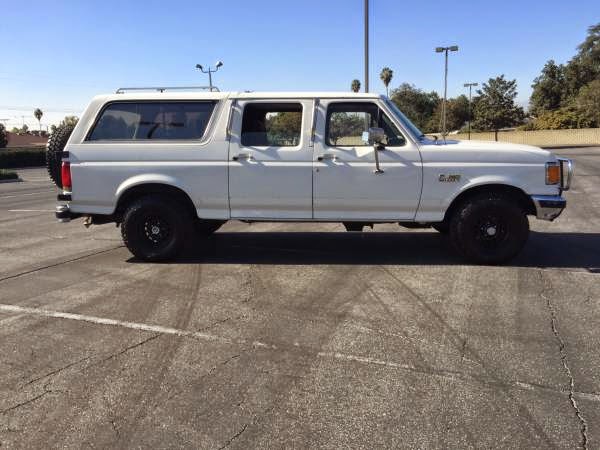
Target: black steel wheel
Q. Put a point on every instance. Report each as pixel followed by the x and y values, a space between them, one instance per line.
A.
pixel 489 229
pixel 155 228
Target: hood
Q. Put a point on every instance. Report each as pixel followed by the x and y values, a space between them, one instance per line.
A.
pixel 489 151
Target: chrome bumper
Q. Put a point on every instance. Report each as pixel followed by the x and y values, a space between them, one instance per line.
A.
pixel 548 207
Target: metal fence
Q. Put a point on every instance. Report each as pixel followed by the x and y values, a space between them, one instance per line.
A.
pixel 542 138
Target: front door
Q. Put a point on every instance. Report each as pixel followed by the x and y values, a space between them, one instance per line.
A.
pixel 270 160
pixel 346 186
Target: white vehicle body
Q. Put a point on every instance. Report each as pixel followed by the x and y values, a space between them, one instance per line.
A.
pixel 309 180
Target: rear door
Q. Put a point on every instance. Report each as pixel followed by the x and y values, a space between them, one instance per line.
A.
pixel 270 159
pixel 346 185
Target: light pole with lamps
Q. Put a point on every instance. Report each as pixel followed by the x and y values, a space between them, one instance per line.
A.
pixel 452 48
pixel 210 72
pixel 470 86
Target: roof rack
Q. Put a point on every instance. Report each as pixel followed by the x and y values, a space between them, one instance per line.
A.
pixel 165 88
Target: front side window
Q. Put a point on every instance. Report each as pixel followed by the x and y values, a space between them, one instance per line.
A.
pixel 272 124
pixel 152 120
pixel 347 121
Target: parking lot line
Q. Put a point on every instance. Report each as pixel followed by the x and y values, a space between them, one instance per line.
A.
pixel 28 193
pixel 448 374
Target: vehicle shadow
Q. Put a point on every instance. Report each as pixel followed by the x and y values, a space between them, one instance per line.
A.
pixel 568 250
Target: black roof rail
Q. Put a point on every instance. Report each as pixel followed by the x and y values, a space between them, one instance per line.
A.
pixel 167 88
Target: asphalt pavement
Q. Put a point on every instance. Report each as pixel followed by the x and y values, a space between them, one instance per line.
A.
pixel 298 335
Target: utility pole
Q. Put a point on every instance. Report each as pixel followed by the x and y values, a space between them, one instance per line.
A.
pixel 366 45
pixel 470 86
pixel 210 72
pixel 452 48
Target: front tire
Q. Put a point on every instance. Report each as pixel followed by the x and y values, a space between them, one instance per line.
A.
pixel 155 228
pixel 489 229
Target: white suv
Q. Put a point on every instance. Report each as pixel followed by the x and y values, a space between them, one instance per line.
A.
pixel 165 165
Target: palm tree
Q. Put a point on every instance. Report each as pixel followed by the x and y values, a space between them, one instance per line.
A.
pixel 38 113
pixel 355 86
pixel 386 76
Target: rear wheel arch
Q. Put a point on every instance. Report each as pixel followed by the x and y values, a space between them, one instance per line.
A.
pixel 136 192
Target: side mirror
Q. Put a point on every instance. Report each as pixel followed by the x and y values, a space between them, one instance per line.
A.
pixel 373 136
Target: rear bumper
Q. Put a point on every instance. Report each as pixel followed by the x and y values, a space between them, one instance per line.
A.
pixel 64 214
pixel 548 207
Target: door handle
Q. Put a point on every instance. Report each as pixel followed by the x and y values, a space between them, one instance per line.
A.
pixel 327 157
pixel 242 156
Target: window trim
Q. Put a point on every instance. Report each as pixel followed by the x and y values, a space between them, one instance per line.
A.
pixel 106 105
pixel 271 102
pixel 372 102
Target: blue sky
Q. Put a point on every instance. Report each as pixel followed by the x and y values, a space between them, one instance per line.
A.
pixel 57 55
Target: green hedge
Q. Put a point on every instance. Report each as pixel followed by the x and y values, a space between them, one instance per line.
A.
pixel 22 157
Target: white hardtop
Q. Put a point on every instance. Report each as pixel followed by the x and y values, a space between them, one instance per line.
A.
pixel 207 95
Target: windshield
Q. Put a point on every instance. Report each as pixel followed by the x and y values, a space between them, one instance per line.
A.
pixel 405 121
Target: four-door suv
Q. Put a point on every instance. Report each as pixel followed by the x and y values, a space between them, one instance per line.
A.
pixel 169 164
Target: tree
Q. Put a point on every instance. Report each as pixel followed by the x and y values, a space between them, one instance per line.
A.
pixel 24 129
pixel 585 65
pixel 70 120
pixel 355 85
pixel 38 113
pixel 495 106
pixel 457 113
pixel 3 136
pixel 284 127
pixel 416 104
pixel 587 104
pixel 549 89
pixel 386 76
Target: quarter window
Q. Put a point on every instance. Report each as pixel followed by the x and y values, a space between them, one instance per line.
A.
pixel 152 120
pixel 347 121
pixel 271 124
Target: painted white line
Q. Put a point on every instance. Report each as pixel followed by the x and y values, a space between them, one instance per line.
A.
pixel 29 193
pixel 30 210
pixel 124 324
pixel 452 375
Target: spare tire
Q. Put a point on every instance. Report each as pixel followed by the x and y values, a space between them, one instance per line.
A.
pixel 54 149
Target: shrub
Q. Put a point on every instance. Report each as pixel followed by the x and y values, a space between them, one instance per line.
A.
pixel 22 157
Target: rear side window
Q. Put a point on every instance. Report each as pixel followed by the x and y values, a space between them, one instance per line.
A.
pixel 152 120
pixel 272 124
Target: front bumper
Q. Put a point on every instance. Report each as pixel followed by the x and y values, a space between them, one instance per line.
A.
pixel 548 207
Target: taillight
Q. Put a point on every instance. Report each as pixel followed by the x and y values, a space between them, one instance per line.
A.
pixel 65 175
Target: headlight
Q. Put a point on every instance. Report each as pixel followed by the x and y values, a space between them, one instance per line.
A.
pixel 552 173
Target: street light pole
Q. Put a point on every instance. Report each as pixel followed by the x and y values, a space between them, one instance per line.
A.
pixel 366 45
pixel 470 86
pixel 209 72
pixel 452 48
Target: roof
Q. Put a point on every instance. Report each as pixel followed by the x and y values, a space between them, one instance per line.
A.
pixel 207 95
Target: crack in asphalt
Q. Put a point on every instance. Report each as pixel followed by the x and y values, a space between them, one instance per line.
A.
pixel 60 263
pixel 565 363
pixel 234 437
pixel 54 372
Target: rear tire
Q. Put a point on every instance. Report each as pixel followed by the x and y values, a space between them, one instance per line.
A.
pixel 489 229
pixel 441 227
pixel 155 228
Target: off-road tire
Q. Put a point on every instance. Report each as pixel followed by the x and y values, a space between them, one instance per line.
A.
pixel 54 148
pixel 474 221
pixel 155 228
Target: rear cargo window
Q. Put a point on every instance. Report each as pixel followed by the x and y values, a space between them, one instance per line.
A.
pixel 152 120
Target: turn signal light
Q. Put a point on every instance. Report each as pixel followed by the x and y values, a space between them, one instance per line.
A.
pixel 552 173
pixel 65 175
